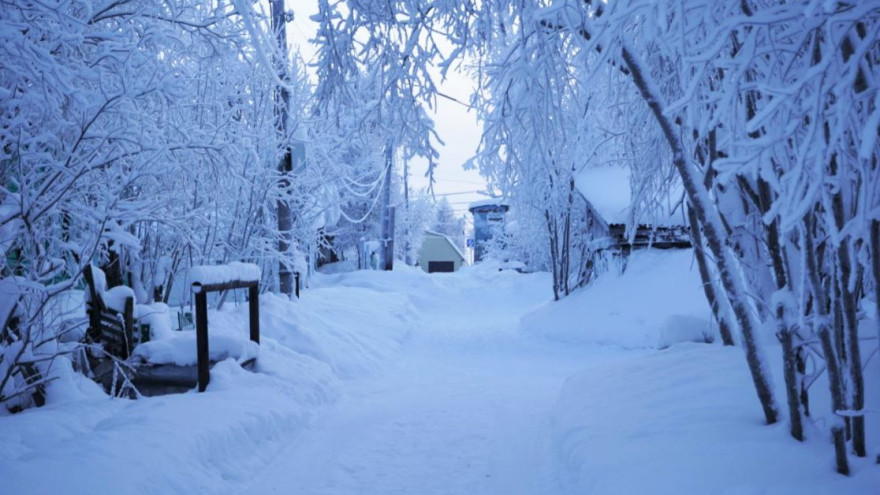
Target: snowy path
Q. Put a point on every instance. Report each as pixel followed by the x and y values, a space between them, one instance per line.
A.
pixel 466 410
pixel 432 425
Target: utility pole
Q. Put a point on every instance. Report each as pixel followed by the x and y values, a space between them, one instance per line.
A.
pixel 387 217
pixel 285 164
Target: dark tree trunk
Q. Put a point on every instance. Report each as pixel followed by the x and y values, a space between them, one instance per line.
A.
pixel 835 378
pixel 851 334
pixel 554 260
pixel 785 332
pixel 708 282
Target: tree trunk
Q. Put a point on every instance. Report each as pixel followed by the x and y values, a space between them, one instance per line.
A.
pixel 709 220
pixel 835 379
pixel 851 334
pixel 554 261
pixel 785 331
pixel 708 282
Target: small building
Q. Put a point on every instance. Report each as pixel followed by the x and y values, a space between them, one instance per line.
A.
pixel 439 254
pixel 488 217
pixel 608 192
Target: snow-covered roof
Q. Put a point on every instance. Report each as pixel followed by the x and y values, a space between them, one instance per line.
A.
pixel 609 190
pixel 488 202
pixel 438 234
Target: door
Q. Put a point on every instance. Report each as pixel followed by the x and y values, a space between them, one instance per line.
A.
pixel 441 266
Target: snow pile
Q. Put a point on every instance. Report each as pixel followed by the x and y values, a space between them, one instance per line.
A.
pixel 113 298
pixel 686 420
pixel 181 349
pixel 656 302
pixel 221 274
pixel 158 316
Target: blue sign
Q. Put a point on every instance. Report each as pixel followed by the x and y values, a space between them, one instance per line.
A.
pixel 470 242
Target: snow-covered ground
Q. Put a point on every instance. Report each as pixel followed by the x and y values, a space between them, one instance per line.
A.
pixel 465 383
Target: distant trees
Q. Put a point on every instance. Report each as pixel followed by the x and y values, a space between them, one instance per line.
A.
pixel 447 223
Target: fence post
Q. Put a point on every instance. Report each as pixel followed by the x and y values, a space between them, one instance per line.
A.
pixel 202 337
pixel 128 324
pixel 254 309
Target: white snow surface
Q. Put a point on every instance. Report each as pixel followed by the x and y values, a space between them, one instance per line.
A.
pixel 656 302
pixel 408 383
pixel 221 274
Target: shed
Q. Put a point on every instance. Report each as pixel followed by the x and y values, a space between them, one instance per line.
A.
pixel 608 190
pixel 488 217
pixel 439 254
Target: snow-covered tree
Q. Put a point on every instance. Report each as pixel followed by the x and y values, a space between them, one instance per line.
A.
pixel 136 135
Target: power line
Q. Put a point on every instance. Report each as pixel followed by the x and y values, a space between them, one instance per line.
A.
pixel 458 193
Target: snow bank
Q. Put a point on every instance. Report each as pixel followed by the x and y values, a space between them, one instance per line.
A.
pixel 656 302
pixel 221 274
pixel 686 420
pixel 181 349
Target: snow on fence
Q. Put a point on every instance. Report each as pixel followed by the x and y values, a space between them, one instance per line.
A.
pixel 221 274
pixel 207 279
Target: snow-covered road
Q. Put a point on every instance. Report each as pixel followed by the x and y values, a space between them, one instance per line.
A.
pixel 439 422
pixel 465 410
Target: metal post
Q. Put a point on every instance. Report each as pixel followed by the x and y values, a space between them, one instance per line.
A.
pixel 202 338
pixel 254 307
pixel 128 327
pixel 297 284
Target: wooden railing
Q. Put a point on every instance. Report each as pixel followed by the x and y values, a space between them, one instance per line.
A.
pixel 201 301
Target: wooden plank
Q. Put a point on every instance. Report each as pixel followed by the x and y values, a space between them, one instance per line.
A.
pixel 128 319
pixel 90 281
pixel 114 334
pixel 167 374
pixel 110 322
